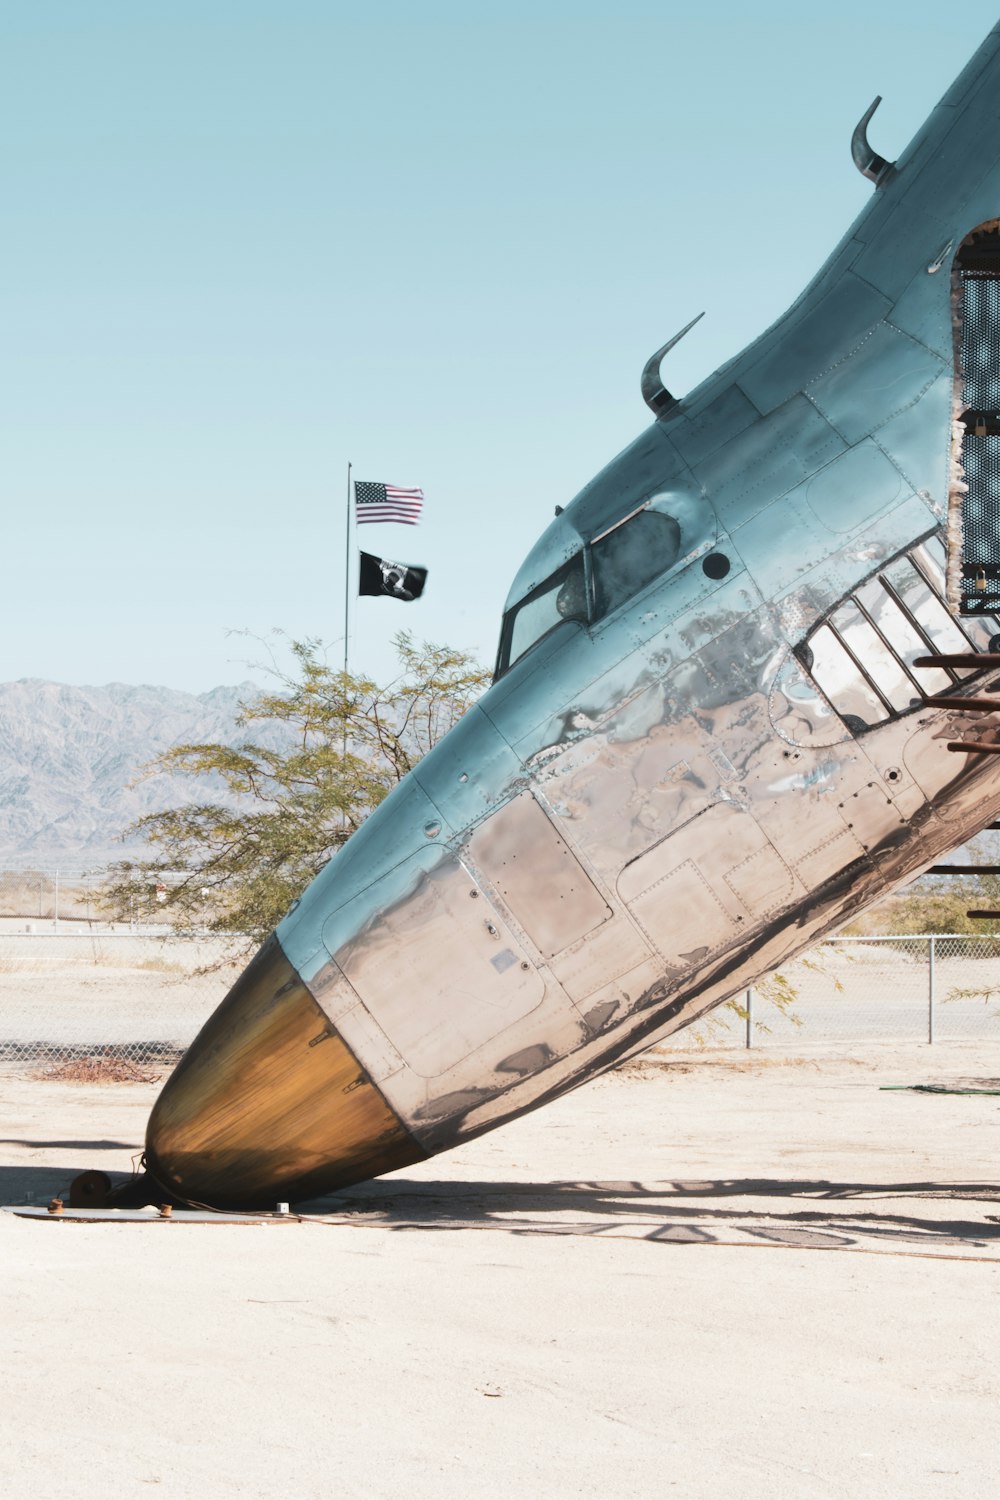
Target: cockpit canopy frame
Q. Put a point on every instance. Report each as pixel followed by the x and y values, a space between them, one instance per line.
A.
pixel 665 532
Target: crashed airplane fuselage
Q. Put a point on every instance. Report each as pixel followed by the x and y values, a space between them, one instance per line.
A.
pixel 708 742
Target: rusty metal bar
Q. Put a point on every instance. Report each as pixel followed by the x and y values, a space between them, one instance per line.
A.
pixel 963 870
pixel 992 747
pixel 979 659
pixel 972 705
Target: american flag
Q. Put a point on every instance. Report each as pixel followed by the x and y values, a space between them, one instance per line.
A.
pixel 386 502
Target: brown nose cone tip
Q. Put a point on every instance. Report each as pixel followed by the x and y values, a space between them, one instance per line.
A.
pixel 269 1102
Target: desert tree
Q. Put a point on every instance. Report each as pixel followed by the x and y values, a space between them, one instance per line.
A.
pixel 322 748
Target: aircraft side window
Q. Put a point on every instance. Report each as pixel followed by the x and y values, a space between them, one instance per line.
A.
pixel 863 657
pixel 626 559
pixel 561 597
pixel 832 666
pixel 880 665
pixel 925 609
pixel 901 635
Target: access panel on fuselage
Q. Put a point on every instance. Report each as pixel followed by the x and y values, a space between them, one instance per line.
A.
pixel 706 885
pixel 438 969
pixel 537 876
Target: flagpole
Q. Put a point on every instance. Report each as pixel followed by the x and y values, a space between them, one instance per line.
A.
pixel 347 623
pixel 347 569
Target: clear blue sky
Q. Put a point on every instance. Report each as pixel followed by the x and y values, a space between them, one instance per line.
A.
pixel 247 242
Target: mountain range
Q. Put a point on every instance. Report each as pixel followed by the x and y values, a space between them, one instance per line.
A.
pixel 72 762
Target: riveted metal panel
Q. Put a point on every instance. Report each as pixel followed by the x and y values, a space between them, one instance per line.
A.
pixel 766 460
pixel 880 262
pixel 779 552
pixel 762 881
pixel 715 425
pixel 603 956
pixel 853 489
pixel 832 323
pixel 675 906
pixel 836 853
pixel 885 374
pixel 680 912
pixel 691 892
pixel 537 876
pixel 871 815
pixel 448 945
pixel 397 825
pixel 469 770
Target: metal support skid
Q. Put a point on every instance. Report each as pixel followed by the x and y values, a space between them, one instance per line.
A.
pixel 709 742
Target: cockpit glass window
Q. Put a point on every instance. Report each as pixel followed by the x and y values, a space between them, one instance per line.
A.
pixel 561 597
pixel 864 655
pixel 631 556
pixel 843 682
pixel 881 664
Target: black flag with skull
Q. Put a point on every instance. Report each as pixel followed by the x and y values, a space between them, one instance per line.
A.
pixel 393 579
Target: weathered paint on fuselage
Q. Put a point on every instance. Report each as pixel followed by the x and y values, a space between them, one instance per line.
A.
pixel 643 816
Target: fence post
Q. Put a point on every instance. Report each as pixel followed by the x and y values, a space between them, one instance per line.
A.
pixel 749 1018
pixel 55 924
pixel 930 990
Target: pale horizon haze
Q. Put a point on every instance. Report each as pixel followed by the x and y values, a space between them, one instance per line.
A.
pixel 249 243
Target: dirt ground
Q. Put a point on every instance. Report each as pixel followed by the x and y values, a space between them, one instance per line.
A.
pixel 709 1275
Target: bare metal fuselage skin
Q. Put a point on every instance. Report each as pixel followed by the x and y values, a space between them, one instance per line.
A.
pixel 650 809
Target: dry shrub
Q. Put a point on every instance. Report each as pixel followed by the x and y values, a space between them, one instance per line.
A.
pixel 95 1070
pixel 657 1065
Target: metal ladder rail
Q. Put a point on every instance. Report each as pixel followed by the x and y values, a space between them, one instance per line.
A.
pixel 976 661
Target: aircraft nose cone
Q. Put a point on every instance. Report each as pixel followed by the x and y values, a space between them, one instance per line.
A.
pixel 269 1103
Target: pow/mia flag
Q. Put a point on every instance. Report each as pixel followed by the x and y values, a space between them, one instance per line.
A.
pixel 395 580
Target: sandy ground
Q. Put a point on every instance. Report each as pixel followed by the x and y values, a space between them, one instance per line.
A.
pixel 721 1275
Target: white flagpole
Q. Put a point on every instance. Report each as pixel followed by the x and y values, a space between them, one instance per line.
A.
pixel 347 570
pixel 347 620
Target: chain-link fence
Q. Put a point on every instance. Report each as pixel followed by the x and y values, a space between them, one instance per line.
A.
pixel 931 988
pixel 70 995
pixel 38 897
pixel 136 996
pixel 65 898
pixel 77 986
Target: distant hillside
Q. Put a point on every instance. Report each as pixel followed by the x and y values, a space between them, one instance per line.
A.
pixel 69 756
